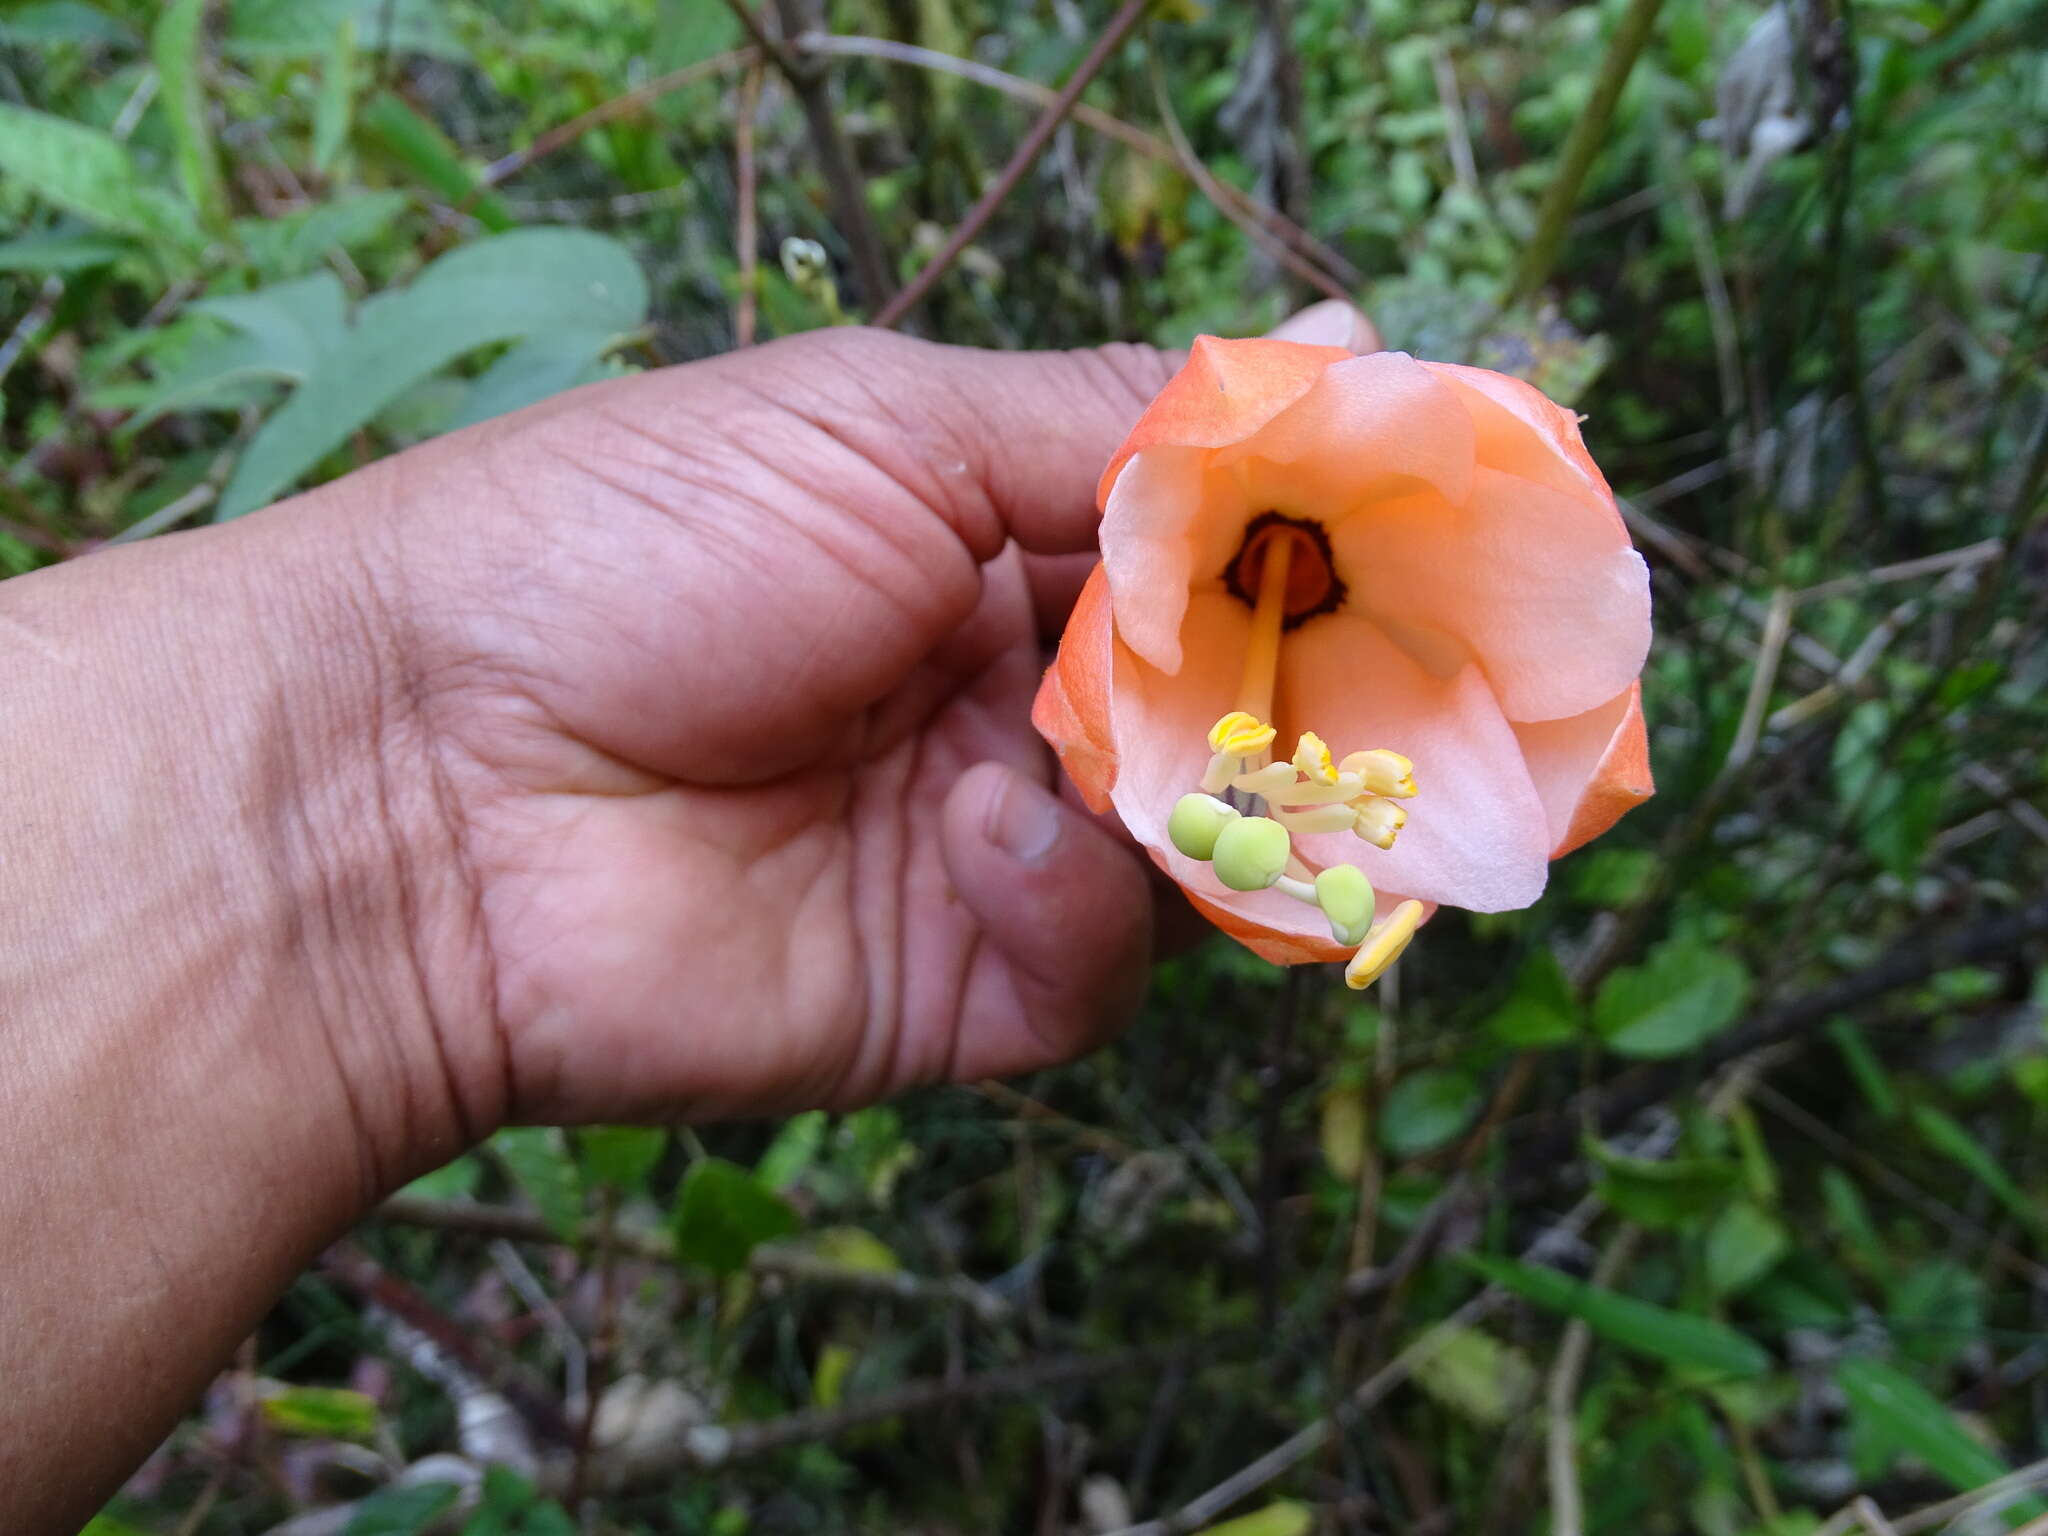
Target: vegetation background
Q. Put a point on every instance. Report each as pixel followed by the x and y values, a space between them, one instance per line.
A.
pixel 1705 1196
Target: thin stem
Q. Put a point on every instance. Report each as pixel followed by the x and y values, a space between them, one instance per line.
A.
pixel 1580 148
pixel 565 134
pixel 899 308
pixel 747 235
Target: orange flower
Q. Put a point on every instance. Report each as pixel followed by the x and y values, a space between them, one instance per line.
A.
pixel 1417 563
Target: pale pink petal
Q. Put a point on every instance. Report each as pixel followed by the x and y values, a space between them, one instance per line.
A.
pixel 1541 589
pixel 1523 431
pixel 1370 427
pixel 1477 836
pixel 1160 507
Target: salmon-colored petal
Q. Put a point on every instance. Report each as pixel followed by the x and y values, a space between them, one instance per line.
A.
pixel 1281 948
pixel 1525 432
pixel 1369 427
pixel 1228 390
pixel 1148 544
pixel 1072 708
pixel 1589 769
pixel 1541 589
pixel 1476 835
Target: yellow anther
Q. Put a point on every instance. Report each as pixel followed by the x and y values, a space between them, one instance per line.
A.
pixel 1313 759
pixel 1385 773
pixel 1239 734
pixel 1383 946
pixel 1378 821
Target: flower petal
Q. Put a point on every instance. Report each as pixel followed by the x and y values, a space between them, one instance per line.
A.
pixel 1589 769
pixel 1523 431
pixel 1149 530
pixel 1072 707
pixel 1541 589
pixel 1477 836
pixel 1370 427
pixel 1228 390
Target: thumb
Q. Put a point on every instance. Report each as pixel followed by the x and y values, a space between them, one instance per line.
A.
pixel 1066 919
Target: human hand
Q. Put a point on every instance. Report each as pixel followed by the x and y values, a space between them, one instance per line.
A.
pixel 722 677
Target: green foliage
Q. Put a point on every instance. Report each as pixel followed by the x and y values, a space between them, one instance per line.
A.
pixel 723 1213
pixel 1676 1001
pixel 1687 1340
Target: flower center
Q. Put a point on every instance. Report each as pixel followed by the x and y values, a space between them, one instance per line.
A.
pixel 1284 566
pixel 1313 586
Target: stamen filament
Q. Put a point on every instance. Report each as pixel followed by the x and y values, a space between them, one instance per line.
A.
pixel 1300 890
pixel 1262 654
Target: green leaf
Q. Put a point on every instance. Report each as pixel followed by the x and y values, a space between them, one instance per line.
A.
pixel 107 1525
pixel 178 47
pixel 1672 1192
pixel 422 148
pixel 1948 1137
pixel 527 283
pixel 49 251
pixel 620 1155
pixel 1743 1245
pixel 1871 1078
pixel 1898 1413
pixel 1849 1217
pixel 794 1149
pixel 1935 1310
pixel 532 371
pixel 1679 1338
pixel 512 1506
pixel 722 1212
pixel 292 244
pixel 91 174
pixel 451 1181
pixel 332 1412
pixel 1542 1010
pixel 406 1511
pixel 1678 999
pixel 303 29
pixel 66 21
pixel 538 1159
pixel 1475 1375
pixel 1282 1518
pixel 1426 1109
pixel 336 103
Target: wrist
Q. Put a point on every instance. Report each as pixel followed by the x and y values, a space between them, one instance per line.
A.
pixel 239 784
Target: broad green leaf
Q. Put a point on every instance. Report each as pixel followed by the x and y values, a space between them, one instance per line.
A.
pixel 533 371
pixel 1678 999
pixel 48 251
pixel 406 1511
pixel 1897 1412
pixel 1426 1109
pixel 1679 1338
pixel 538 1159
pixel 512 1506
pixel 178 47
pixel 1948 1137
pixel 620 1155
pixel 107 1525
pixel 65 21
pixel 722 1212
pixel 331 1412
pixel 417 144
pixel 294 325
pixel 89 173
pixel 526 283
pixel 1673 1192
pixel 1614 877
pixel 1542 1010
pixel 304 29
pixel 1282 1518
pixel 853 1248
pixel 1472 1373
pixel 1743 1244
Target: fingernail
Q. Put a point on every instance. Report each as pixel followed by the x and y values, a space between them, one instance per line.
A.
pixel 1025 821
